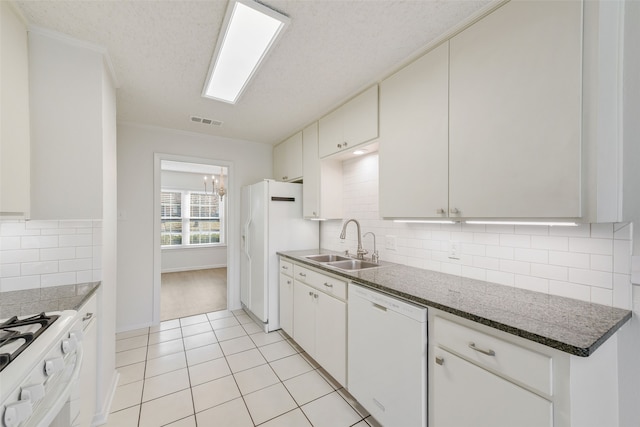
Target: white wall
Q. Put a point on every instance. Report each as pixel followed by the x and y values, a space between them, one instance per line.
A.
pixel 590 262
pixel 107 376
pixel 251 162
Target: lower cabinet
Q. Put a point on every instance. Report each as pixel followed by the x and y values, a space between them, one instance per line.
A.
pixel 468 395
pixel 320 327
pixel 87 389
pixel 286 297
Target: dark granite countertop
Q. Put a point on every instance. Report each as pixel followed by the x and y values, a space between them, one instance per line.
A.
pixel 57 298
pixel 573 326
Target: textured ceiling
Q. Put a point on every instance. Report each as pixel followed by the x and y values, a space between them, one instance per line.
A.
pixel 332 49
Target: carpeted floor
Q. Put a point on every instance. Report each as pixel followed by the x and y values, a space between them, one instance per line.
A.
pixel 186 293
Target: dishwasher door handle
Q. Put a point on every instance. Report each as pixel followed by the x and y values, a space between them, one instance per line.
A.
pixel 379 307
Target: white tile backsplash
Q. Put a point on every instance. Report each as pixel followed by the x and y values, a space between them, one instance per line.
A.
pixel 590 262
pixel 42 254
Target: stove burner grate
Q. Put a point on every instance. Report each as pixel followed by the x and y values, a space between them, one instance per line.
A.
pixel 12 330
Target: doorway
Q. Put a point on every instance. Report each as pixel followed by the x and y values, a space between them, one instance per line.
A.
pixel 191 244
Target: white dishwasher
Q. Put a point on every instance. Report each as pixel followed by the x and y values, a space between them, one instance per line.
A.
pixel 387 357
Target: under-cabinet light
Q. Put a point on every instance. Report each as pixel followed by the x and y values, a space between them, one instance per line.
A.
pixel 249 30
pixel 426 221
pixel 359 152
pixel 547 223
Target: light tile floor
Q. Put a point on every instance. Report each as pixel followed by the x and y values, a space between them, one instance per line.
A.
pixel 220 370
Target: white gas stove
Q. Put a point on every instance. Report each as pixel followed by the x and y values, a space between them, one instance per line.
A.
pixel 40 359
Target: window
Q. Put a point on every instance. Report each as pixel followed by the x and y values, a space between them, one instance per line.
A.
pixel 191 218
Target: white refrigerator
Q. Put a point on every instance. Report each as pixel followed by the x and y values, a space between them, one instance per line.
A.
pixel 271 222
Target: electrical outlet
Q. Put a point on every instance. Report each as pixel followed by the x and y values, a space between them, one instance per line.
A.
pixel 454 250
pixel 390 242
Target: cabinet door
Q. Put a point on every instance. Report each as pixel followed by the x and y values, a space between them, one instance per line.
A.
pixel 414 145
pixel 330 133
pixel 287 159
pixel 360 119
pixel 286 304
pixel 304 317
pixel 14 115
pixel 465 395
pixel 331 336
pixel 515 112
pixel 311 166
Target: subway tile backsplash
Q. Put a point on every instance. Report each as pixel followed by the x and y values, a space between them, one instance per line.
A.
pixel 48 254
pixel 590 262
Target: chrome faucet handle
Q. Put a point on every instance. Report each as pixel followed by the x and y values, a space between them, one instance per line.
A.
pixel 375 257
pixel 362 253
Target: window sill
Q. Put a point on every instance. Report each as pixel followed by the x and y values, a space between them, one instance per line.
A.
pixel 191 247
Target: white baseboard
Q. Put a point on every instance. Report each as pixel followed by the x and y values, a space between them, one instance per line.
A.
pixel 100 418
pixel 192 268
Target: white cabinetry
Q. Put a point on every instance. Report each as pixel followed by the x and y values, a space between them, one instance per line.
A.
pixel 488 124
pixel 479 380
pixel 87 388
pixel 515 112
pixel 287 159
pixel 351 124
pixel 320 319
pixel 322 184
pixel 414 144
pixel 286 297
pixel 14 114
pixel 468 395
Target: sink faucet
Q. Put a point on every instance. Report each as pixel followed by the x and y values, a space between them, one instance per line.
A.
pixel 343 234
pixel 375 257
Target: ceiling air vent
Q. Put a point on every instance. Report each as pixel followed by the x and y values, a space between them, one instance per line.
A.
pixel 206 121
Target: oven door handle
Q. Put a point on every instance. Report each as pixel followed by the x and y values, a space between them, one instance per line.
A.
pixel 53 411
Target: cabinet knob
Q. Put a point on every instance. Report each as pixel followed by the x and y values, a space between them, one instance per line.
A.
pixel 339 145
pixel 310 293
pixel 288 282
pixel 439 360
pixel 344 144
pixel 284 178
pixel 440 211
pixel 315 214
pixel 454 211
pixel 315 296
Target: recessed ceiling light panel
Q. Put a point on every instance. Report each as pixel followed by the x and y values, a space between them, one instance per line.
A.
pixel 248 32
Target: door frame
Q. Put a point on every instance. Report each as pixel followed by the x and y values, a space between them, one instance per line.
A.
pixel 157 251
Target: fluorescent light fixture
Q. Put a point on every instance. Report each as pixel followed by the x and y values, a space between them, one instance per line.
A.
pixel 551 223
pixel 249 30
pixel 317 219
pixel 426 221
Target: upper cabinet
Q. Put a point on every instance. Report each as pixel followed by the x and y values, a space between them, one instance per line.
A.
pixel 351 124
pixel 488 125
pixel 72 127
pixel 14 115
pixel 322 184
pixel 413 143
pixel 515 113
pixel 287 159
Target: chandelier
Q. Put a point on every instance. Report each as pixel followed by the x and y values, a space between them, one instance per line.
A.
pixel 217 185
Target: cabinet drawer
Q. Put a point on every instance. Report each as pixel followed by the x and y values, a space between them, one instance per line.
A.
pixel 521 364
pixel 88 311
pixel 286 268
pixel 326 284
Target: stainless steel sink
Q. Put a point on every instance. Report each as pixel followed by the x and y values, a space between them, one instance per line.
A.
pixel 353 264
pixel 326 258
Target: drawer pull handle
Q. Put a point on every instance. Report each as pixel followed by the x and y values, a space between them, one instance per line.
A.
pixel 379 307
pixel 87 316
pixel 472 346
pixel 439 360
pixel 288 282
pixel 302 274
pixel 284 267
pixel 328 285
